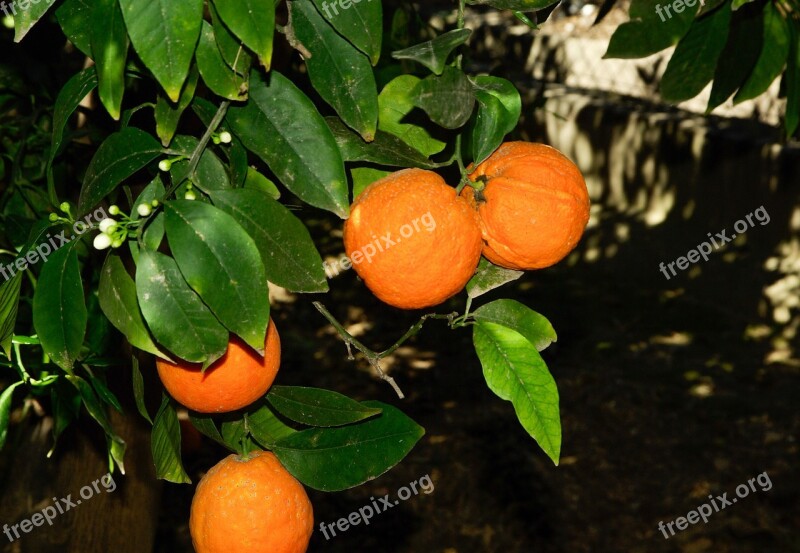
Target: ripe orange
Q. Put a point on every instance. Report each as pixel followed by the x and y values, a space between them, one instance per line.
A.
pixel 412 239
pixel 250 505
pixel 235 380
pixel 533 208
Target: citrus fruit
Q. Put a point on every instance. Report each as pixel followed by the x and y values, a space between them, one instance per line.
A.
pixel 233 381
pixel 250 505
pixel 412 239
pixel 533 207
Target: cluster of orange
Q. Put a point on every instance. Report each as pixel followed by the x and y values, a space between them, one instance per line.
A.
pixel 527 208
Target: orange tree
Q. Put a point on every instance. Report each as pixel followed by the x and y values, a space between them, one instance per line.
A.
pixel 174 227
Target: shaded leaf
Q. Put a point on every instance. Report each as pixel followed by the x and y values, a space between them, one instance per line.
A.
pixel 773 56
pixel 216 73
pixel 433 54
pixel 385 149
pixel 265 427
pixel 361 24
pixel 489 276
pixel 109 51
pixel 138 389
pixel 69 98
pixel 26 17
pixel 9 307
pixel 318 407
pixel 253 21
pixel 395 102
pixel 448 100
pixel 5 411
pixel 72 15
pixel 165 445
pixel 648 31
pixel 168 113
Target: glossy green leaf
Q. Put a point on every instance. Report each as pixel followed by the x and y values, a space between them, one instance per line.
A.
pixel 364 176
pixel 5 411
pixel 232 49
pixel 177 317
pixel 385 149
pixel 26 15
pixel 59 308
pixel 9 307
pixel 117 294
pixel 433 54
pixel 489 276
pixel 138 389
pixel 168 113
pixel 120 156
pixel 793 85
pixel 165 445
pixel 253 21
pixel 220 262
pixel 359 21
pixel 97 411
pixel 153 232
pixel 110 51
pixel 72 15
pixel 265 427
pixel 773 56
pixel 282 127
pixel 334 459
pixel 69 98
pixel 519 317
pixel 216 73
pixel 206 426
pixel 287 251
pixel 739 56
pixel 649 30
pixel 318 407
pixel 104 394
pixel 448 100
pixel 739 3
pixel 515 371
pixel 499 108
pixel 395 102
pixel 239 169
pixel 694 61
pixel 340 74
pixel 210 173
pixel 164 33
pixel 256 181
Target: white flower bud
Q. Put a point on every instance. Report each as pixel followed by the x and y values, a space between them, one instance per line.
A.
pixel 144 210
pixel 102 241
pixel 107 225
pixel 225 137
pixel 190 195
pixel 113 210
pixel 165 165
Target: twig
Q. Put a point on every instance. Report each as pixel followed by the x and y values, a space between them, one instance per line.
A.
pixel 291 38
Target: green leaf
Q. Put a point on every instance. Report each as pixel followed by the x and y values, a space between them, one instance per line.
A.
pixel 520 318
pixel 210 173
pixel 739 3
pixel 59 308
pixel 216 73
pixel 793 85
pixel 515 371
pixel 153 232
pixel 361 23
pixel 505 91
pixel 206 426
pixel 9 306
pixel 203 240
pixel 335 459
pixel 448 100
pixel 238 165
pixel 364 176
pixel 166 445
pixel 520 5
pixel 694 61
pixel 117 293
pixel 120 156
pixel 256 181
pixel 27 14
pixel 231 48
pixel 648 32
pixel 739 56
pixel 318 407
pixel 395 102
pixel 773 56
pixel 168 113
pixel 253 21
pixel 69 98
pixel 282 127
pixel 287 251
pixel 5 411
pixel 72 15
pixel 489 276
pixel 433 54
pixel 164 33
pixel 499 108
pixel 109 51
pixel 138 389
pixel 97 411
pixel 105 395
pixel 385 149
pixel 177 317
pixel 340 74
pixel 265 427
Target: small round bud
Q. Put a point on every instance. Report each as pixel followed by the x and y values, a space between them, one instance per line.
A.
pixel 107 225
pixel 190 195
pixel 144 210
pixel 8 21
pixel 154 203
pixel 64 207
pixel 102 241
pixel 225 137
pixel 113 210
pixel 164 165
pixel 53 217
pixel 117 243
pixel 215 139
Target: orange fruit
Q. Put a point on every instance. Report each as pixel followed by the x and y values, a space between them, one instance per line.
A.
pixel 533 207
pixel 250 505
pixel 233 381
pixel 412 239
